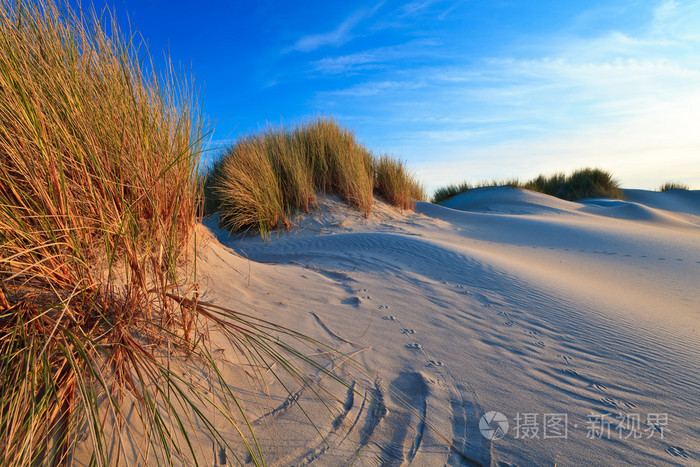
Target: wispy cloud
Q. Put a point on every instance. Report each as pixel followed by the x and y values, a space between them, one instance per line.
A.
pixel 338 36
pixel 416 6
pixel 374 58
pixel 371 89
pixel 346 63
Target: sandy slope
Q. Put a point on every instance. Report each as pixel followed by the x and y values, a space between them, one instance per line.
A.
pixel 501 300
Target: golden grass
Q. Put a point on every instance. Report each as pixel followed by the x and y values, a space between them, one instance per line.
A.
pixel 395 184
pixel 98 198
pixel 263 179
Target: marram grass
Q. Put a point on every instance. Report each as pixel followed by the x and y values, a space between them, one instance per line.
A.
pixel 395 184
pixel 99 198
pixel 580 184
pixel 260 181
pixel 673 186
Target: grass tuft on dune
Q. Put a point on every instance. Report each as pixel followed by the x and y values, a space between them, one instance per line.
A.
pixel 260 181
pixel 580 184
pixel 395 184
pixel 673 186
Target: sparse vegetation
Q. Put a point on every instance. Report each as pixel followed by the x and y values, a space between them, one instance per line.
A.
pixel 98 205
pixel 260 181
pixel 581 184
pixel 447 192
pixel 673 186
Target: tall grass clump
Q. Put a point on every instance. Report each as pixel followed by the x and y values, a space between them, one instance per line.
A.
pixel 260 181
pixel 339 163
pixel 99 198
pixel 673 186
pixel 395 184
pixel 587 183
pixel 547 184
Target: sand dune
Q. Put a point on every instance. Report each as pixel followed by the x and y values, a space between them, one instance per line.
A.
pixel 501 300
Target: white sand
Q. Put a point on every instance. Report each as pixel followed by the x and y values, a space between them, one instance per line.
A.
pixel 502 300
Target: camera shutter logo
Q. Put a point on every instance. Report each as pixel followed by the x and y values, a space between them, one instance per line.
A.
pixel 493 425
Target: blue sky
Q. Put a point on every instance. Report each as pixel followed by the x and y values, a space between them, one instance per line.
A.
pixel 462 90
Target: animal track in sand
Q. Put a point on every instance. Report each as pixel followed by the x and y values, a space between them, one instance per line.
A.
pixel 389 318
pixel 607 253
pixel 597 387
pixel 408 331
pixel 434 363
pixel 414 345
pixel 677 451
pixel 383 307
pixel 617 403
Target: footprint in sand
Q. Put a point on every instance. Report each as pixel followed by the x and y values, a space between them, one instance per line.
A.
pixel 408 331
pixel 414 345
pixel 677 451
pixel 383 307
pixel 434 363
pixel 597 387
pixel 352 301
pixel 389 318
